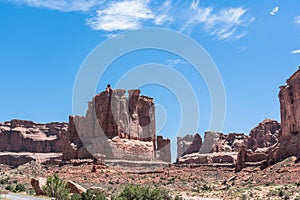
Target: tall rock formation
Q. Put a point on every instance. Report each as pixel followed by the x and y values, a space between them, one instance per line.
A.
pixel 289 136
pixel 116 127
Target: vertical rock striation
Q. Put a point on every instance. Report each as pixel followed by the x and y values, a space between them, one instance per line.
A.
pixel 289 136
pixel 116 126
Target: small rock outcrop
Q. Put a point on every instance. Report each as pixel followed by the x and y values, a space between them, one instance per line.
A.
pixel 219 142
pixel 15 160
pixel 265 134
pixel 188 144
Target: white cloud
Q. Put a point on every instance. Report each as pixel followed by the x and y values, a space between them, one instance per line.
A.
pixel 122 15
pixel 163 16
pixel 195 4
pixel 223 24
pixel 274 11
pixel 295 51
pixel 62 5
pixel 172 62
pixel 162 19
pixel 297 20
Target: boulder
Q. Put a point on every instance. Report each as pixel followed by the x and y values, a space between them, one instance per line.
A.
pixel 38 184
pixel 75 188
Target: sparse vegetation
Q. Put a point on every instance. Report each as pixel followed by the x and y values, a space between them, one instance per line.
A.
pixel 56 188
pixel 135 192
pixel 20 188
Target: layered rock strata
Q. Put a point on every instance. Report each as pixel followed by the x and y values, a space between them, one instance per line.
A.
pixel 117 127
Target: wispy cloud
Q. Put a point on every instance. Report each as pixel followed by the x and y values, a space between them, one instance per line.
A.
pixel 121 15
pixel 172 62
pixel 194 4
pixel 274 10
pixel 223 23
pixel 61 5
pixel 163 13
pixel 297 20
pixel 295 51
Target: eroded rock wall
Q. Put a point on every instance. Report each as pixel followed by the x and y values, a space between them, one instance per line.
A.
pixel 117 127
pixel 289 136
pixel 27 136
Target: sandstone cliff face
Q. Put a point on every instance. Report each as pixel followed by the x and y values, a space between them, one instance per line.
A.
pixel 188 144
pixel 27 136
pixel 163 151
pixel 117 127
pixel 289 137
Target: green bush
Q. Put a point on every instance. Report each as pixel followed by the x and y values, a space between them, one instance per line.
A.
pixel 93 195
pixel 57 188
pixel 20 188
pixel 89 195
pixel 178 198
pixel 76 197
pixel 9 188
pixel 4 181
pixel 135 192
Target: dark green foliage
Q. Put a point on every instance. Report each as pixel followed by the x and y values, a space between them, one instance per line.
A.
pixel 89 195
pixel 206 187
pixel 135 192
pixel 9 188
pixel 57 188
pixel 93 195
pixel 4 181
pixel 20 188
pixel 178 198
pixel 76 197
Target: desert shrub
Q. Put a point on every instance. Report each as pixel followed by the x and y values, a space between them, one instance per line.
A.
pixel 93 195
pixel 89 195
pixel 20 188
pixel 76 197
pixel 206 187
pixel 178 198
pixel 9 188
pixel 56 188
pixel 135 192
pixel 4 181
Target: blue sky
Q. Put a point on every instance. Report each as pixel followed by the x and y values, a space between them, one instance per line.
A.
pixel 255 45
